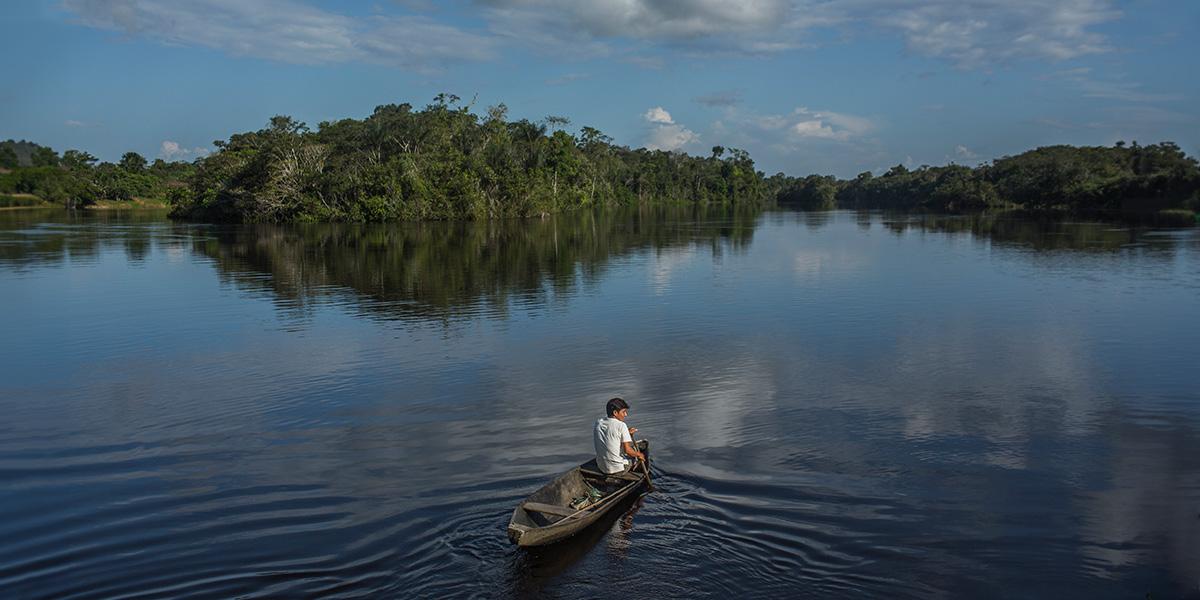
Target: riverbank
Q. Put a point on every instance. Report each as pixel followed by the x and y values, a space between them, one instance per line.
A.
pixel 15 201
pixel 31 201
pixel 136 203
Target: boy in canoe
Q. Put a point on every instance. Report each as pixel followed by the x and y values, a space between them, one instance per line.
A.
pixel 614 438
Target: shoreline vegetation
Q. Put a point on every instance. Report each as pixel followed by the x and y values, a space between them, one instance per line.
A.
pixel 445 162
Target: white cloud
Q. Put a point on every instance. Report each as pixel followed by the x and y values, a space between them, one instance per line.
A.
pixel 829 125
pixel 649 19
pixel 817 129
pixel 74 123
pixel 964 152
pixel 802 140
pixel 665 133
pixel 805 123
pixel 286 31
pixel 969 34
pixel 743 25
pixel 982 32
pixel 670 137
pixel 170 150
pixel 843 122
pixel 658 115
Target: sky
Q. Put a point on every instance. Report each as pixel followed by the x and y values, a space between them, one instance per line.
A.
pixel 805 86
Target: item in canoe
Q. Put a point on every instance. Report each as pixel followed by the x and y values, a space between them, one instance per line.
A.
pixel 592 496
pixel 547 516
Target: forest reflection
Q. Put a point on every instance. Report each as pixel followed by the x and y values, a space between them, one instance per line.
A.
pixel 1035 233
pixel 440 269
pixel 52 237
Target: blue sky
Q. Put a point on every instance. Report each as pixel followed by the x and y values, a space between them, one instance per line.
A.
pixel 825 86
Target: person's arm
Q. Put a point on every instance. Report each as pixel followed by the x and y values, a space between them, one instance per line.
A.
pixel 631 450
pixel 627 442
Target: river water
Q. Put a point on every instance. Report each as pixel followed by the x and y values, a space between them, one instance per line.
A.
pixel 840 405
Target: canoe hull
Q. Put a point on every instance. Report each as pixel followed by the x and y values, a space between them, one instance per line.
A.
pixel 530 528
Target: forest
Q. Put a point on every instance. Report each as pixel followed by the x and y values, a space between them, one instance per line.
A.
pixel 444 161
pixel 1125 179
pixel 35 175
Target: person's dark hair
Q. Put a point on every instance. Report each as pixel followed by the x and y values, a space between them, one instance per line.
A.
pixel 614 405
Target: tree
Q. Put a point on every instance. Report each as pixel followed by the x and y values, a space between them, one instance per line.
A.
pixel 44 157
pixel 78 160
pixel 554 122
pixel 8 158
pixel 283 124
pixel 132 162
pixel 445 162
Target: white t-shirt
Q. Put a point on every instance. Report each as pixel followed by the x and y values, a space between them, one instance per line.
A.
pixel 608 435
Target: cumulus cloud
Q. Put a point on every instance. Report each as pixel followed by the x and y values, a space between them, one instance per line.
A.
pixel 658 115
pixel 170 150
pixel 822 124
pixel 670 137
pixel 285 31
pixel 964 152
pixel 665 133
pixel 803 139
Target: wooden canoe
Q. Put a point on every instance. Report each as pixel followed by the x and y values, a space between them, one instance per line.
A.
pixel 546 517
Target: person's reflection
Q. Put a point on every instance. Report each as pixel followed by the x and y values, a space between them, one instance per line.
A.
pixel 619 542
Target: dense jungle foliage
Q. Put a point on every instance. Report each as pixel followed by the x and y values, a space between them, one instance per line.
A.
pixel 1122 179
pixel 445 162
pixel 31 174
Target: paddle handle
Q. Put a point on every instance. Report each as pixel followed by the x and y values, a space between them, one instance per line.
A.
pixel 645 460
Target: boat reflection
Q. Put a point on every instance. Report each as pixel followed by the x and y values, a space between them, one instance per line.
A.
pixel 536 565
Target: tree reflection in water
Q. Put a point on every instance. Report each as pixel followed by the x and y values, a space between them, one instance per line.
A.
pixel 444 270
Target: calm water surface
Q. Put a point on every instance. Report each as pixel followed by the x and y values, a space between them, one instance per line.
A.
pixel 841 405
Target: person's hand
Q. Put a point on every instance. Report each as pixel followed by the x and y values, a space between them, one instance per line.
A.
pixel 632 430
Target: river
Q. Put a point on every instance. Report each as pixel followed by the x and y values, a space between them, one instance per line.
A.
pixel 840 405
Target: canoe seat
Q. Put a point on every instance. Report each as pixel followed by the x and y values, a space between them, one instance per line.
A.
pixel 623 475
pixel 549 509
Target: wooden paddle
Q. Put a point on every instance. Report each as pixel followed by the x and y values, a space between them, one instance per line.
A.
pixel 645 467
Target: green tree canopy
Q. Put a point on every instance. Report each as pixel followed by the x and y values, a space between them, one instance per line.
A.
pixel 446 162
pixel 8 158
pixel 132 162
pixel 44 157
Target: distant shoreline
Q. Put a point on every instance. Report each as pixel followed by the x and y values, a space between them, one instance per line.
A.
pixel 103 205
